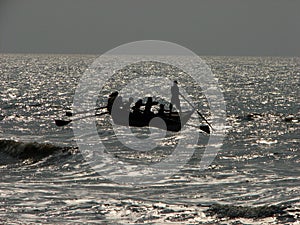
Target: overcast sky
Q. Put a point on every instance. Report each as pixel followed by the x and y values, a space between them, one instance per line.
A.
pixel 207 27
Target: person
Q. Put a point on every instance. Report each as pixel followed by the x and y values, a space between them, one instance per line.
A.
pixel 136 109
pixel 126 105
pixel 118 104
pixel 111 99
pixel 148 106
pixel 175 97
pixel 138 105
pixel 161 110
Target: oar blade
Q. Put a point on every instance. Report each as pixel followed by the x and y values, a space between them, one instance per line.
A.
pixel 61 123
pixel 69 114
pixel 205 128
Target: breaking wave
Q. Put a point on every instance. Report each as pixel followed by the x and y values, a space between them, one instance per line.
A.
pixel 14 151
pixel 161 213
pixel 232 211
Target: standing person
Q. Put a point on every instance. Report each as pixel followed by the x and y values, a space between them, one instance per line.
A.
pixel 175 97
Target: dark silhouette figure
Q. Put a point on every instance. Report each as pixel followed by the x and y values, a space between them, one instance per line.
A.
pixel 161 111
pixel 137 107
pixel 126 105
pixel 137 113
pixel 148 106
pixel 175 97
pixel 112 97
pixel 118 103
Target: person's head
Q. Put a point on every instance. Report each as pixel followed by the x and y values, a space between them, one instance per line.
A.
pixel 114 94
pixel 139 102
pixel 130 100
pixel 175 82
pixel 161 106
pixel 149 99
pixel 119 99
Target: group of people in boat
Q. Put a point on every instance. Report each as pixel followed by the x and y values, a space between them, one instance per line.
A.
pixel 116 104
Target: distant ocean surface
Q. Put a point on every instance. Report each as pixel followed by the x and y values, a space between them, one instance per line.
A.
pixel 255 178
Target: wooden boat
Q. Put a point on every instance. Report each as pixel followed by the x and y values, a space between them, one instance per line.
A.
pixel 172 122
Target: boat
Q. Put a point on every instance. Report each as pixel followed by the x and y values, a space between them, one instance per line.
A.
pixel 170 122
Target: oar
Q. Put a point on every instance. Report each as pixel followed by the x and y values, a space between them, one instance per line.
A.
pixel 71 114
pixel 197 112
pixel 205 128
pixel 202 127
pixel 61 123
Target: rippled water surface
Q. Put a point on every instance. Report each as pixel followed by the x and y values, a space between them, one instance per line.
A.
pixel 45 179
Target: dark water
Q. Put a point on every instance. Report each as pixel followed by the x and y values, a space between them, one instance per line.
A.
pixel 253 180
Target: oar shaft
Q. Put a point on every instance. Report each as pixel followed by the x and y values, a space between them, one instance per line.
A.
pixel 80 118
pixel 82 112
pixel 197 111
pixel 61 123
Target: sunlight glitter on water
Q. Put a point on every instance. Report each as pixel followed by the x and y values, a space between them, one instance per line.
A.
pixel 258 163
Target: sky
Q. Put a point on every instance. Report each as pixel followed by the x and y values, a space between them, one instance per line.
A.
pixel 207 27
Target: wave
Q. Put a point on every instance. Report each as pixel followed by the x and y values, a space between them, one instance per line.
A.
pixel 13 151
pixel 162 213
pixel 232 211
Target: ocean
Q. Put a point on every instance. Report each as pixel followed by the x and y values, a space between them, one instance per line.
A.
pixel 47 176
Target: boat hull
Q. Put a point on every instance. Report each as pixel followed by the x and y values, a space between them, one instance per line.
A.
pixel 167 122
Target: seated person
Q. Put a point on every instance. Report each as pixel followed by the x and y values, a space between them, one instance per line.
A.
pixel 137 106
pixel 117 108
pixel 112 97
pixel 148 106
pixel 161 111
pixel 126 105
pixel 136 109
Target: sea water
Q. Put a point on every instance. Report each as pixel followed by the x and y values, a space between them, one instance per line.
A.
pixel 254 179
